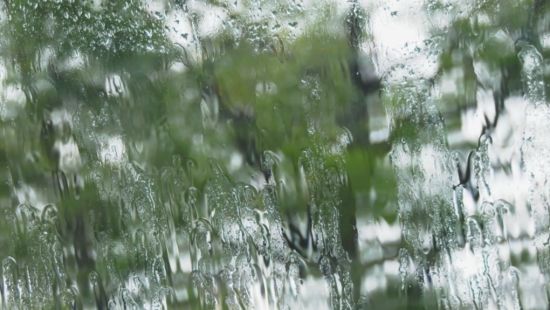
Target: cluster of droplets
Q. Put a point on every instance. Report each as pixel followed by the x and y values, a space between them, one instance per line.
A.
pixel 482 241
pixel 97 217
pixel 97 226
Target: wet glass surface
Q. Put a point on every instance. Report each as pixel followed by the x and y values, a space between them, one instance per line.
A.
pixel 172 154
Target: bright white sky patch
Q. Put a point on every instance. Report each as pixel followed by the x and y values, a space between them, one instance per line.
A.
pixel 112 150
pixel 69 155
pixel 399 33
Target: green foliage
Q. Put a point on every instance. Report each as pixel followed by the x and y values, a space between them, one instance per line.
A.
pixel 254 101
pixel 89 72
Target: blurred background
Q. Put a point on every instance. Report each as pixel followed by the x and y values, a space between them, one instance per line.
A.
pixel 274 154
